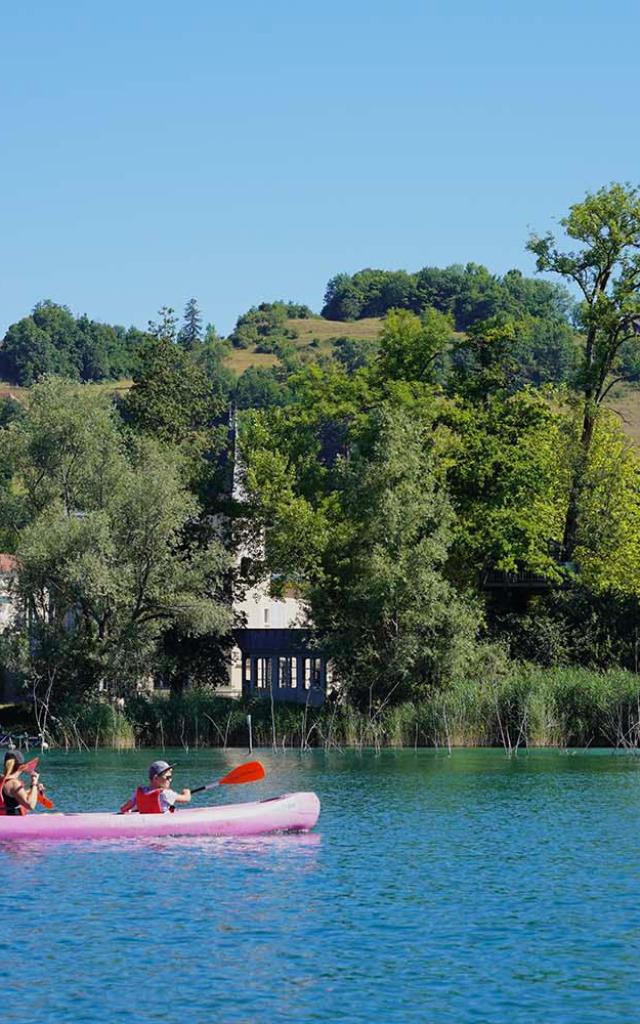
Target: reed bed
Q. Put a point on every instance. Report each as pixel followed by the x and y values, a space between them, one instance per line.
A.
pixel 530 707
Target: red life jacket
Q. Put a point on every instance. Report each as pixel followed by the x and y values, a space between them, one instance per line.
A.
pixel 15 808
pixel 148 800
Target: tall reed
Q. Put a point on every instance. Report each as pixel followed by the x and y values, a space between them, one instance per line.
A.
pixel 529 707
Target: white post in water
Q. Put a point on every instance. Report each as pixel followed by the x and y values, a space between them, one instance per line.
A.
pixel 250 734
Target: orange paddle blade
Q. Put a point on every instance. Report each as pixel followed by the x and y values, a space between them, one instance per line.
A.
pixel 45 801
pixel 250 772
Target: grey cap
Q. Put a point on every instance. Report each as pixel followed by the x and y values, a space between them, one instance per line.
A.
pixel 159 768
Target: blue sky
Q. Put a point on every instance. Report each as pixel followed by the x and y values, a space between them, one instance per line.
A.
pixel 152 151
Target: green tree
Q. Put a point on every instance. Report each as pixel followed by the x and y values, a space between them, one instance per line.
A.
pixel 166 326
pixel 105 566
pixel 172 398
pixel 355 353
pixel 485 361
pixel 391 622
pixel 342 299
pixel 410 345
pixel 261 388
pixel 52 341
pixel 605 267
pixel 608 539
pixel 191 331
pixel 508 474
pixel 26 353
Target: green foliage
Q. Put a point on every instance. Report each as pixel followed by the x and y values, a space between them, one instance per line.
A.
pixel 172 397
pixel 608 547
pixel 410 345
pixel 52 341
pixel 605 267
pixel 190 334
pixel 467 293
pixel 370 534
pixel 505 354
pixel 571 626
pixel 104 563
pixel 265 326
pixel 390 621
pixel 606 270
pixel 509 479
pixel 485 361
pixel 261 388
pixel 354 353
pixel 166 327
pixel 10 410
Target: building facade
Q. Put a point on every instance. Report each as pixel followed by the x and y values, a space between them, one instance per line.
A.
pixel 274 653
pixel 8 601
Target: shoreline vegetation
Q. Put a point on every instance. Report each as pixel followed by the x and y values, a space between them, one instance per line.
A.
pixel 532 707
pixel 448 501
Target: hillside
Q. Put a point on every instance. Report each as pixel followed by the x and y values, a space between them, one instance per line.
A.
pixel 317 335
pixel 323 330
pixel 625 402
pixel 314 333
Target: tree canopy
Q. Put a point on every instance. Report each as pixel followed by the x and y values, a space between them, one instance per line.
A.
pixel 467 293
pixel 103 545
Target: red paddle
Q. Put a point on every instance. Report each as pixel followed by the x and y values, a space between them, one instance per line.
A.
pixel 252 771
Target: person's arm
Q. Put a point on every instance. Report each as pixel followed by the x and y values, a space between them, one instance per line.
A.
pixel 23 795
pixel 128 806
pixel 182 798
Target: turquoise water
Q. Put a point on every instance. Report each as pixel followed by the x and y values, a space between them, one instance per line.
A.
pixel 435 888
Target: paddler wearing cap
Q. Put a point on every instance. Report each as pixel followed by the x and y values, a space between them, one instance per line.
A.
pixel 158 797
pixel 15 797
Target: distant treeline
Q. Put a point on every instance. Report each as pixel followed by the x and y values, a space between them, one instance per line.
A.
pixel 52 341
pixel 469 293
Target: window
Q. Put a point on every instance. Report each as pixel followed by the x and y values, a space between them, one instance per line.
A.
pixel 266 616
pixel 287 672
pixel 246 670
pixel 312 673
pixel 263 673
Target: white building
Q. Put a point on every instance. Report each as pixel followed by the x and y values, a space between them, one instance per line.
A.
pixel 273 652
pixel 8 601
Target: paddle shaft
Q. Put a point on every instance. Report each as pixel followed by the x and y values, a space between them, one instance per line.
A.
pixel 253 771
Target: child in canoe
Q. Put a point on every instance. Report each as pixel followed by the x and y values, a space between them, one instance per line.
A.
pixel 15 797
pixel 158 797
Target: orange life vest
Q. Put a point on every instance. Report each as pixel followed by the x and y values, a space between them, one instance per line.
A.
pixel 16 808
pixel 148 800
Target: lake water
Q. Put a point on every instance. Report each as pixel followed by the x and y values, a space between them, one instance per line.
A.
pixel 434 889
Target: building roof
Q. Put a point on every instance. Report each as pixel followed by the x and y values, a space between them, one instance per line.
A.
pixel 8 563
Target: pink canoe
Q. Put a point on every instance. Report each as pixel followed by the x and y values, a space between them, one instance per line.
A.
pixel 293 812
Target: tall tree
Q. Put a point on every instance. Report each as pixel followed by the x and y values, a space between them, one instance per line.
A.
pixel 191 331
pixel 166 326
pixel 393 624
pixel 605 267
pixel 172 398
pixel 105 565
